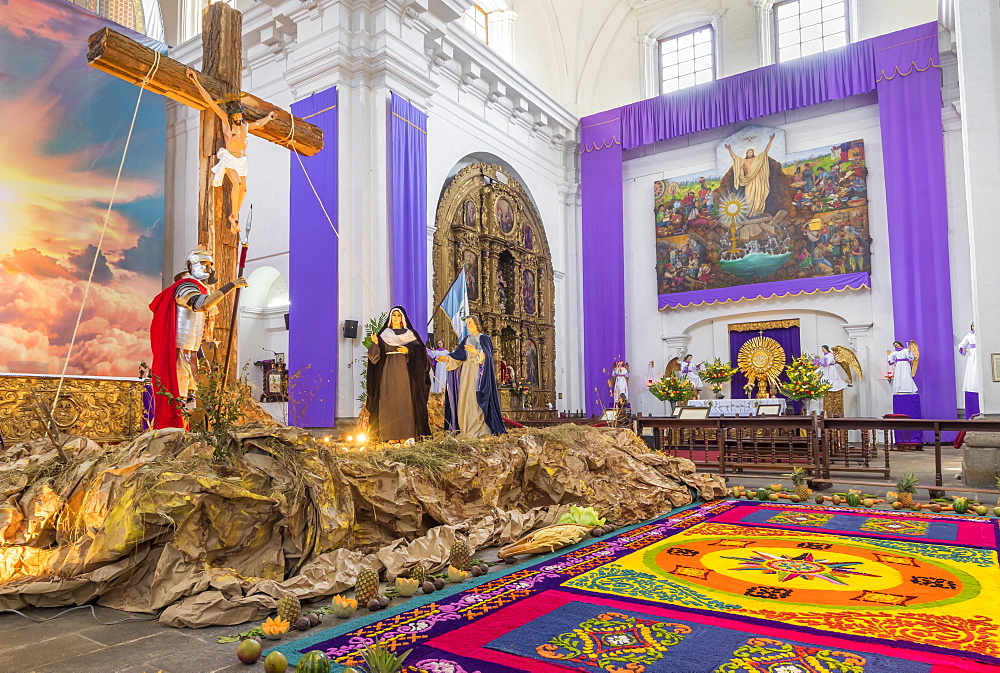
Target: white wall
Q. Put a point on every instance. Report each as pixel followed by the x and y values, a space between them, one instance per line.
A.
pixel 476 102
pixel 652 335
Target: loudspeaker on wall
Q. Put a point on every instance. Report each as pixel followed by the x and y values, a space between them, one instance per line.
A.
pixel 350 329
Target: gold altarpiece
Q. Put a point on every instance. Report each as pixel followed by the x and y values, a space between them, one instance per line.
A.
pixel 106 410
pixel 487 224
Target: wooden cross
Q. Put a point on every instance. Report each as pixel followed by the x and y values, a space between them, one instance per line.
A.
pixel 221 75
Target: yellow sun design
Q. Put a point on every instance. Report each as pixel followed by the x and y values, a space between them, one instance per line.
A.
pixel 733 208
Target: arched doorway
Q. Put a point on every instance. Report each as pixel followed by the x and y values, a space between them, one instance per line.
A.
pixel 487 223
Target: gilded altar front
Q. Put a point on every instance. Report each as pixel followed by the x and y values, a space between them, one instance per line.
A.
pixel 488 225
pixel 106 410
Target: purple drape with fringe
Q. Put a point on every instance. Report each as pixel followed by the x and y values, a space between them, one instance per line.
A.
pixel 312 273
pixel 408 210
pixel 909 100
pixel 901 66
pixel 603 256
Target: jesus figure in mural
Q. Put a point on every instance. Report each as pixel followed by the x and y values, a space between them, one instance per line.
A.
pixel 752 175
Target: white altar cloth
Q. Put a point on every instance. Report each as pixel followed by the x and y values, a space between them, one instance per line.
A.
pixel 737 407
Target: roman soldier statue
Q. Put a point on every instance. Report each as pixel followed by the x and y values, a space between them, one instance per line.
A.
pixel 179 316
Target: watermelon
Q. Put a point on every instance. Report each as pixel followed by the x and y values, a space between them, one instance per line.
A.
pixel 960 505
pixel 763 494
pixel 853 500
pixel 313 661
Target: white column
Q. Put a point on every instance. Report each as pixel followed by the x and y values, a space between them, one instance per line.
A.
pixel 650 65
pixel 978 37
pixel 500 26
pixel 765 30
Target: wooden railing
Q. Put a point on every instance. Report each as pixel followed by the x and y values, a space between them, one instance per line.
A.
pixel 829 449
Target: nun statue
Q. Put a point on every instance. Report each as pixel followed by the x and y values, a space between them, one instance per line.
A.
pixel 472 402
pixel 398 381
pixel 901 366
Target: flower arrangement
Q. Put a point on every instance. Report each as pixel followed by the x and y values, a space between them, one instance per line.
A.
pixel 521 387
pixel 716 373
pixel 805 380
pixel 674 388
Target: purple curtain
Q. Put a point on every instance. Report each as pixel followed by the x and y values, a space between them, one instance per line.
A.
pixel 788 337
pixel 603 257
pixel 913 145
pixel 408 210
pixel 784 86
pixel 909 99
pixel 784 288
pixel 312 273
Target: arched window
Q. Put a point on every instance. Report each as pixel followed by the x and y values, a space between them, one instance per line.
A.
pixel 476 21
pixel 804 27
pixel 492 22
pixel 687 59
pixel 681 51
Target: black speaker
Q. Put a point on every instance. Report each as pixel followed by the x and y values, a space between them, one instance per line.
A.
pixel 350 329
pixel 286 322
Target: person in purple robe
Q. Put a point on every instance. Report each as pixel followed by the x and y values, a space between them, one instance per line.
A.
pixel 472 400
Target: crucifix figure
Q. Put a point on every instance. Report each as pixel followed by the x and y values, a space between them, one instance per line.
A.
pixel 218 82
pixel 232 157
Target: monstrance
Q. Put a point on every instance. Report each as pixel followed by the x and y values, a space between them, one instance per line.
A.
pixel 761 359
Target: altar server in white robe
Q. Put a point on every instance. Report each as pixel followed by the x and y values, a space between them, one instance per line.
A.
pixel 901 362
pixel 967 348
pixel 439 374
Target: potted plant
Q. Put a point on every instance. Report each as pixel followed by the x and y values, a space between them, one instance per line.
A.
pixel 717 373
pixel 674 388
pixel 805 380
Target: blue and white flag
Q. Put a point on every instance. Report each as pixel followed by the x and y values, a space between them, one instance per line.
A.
pixel 456 305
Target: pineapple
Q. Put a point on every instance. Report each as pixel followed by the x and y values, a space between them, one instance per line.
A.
pixel 799 481
pixel 289 609
pixel 460 555
pixel 366 586
pixel 906 486
pixel 419 573
pixel 378 659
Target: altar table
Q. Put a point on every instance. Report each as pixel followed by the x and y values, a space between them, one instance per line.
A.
pixel 736 407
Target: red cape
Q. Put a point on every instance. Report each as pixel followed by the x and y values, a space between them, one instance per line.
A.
pixel 163 339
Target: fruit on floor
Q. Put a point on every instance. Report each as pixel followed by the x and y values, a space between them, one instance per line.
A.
pixel 906 486
pixel 248 651
pixel 274 628
pixel 406 586
pixel 419 573
pixel 460 555
pixel 366 585
pixel 275 662
pixel 343 607
pixel 313 661
pixel 960 505
pixel 289 609
pixel 302 623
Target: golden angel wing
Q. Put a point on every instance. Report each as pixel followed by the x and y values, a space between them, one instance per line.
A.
pixel 848 361
pixel 672 366
pixel 915 349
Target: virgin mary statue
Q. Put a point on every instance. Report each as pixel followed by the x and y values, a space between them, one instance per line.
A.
pixel 398 380
pixel 472 402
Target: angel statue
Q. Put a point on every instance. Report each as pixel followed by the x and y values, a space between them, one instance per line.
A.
pixel 835 365
pixel 689 370
pixel 903 362
pixel 620 374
